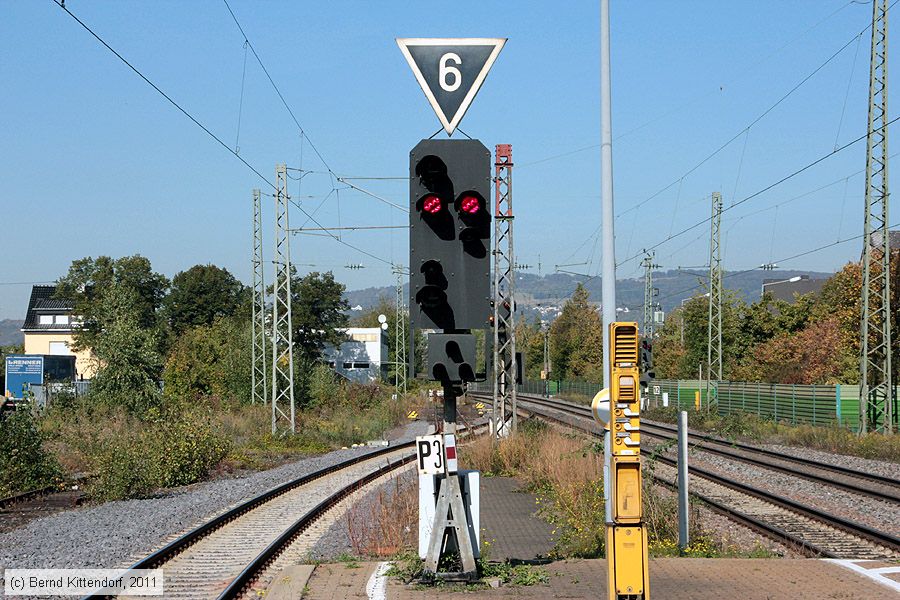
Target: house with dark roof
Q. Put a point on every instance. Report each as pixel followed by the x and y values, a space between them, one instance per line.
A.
pixel 48 328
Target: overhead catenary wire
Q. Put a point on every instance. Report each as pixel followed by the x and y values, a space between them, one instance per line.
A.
pixel 756 120
pixel 779 261
pixel 197 122
pixel 775 52
pixel 275 87
pixel 162 93
pixel 760 192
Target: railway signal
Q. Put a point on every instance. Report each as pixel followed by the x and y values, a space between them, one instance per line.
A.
pixel 449 236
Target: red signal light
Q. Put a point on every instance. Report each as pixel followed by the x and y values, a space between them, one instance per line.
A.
pixel 470 204
pixel 432 204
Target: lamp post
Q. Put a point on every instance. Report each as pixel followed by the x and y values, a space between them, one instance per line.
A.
pixel 791 280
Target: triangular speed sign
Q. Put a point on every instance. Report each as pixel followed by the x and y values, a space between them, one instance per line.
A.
pixel 450 71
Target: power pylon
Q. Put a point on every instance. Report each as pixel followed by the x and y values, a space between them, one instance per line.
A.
pixel 647 263
pixel 504 397
pixel 400 336
pixel 282 327
pixel 714 324
pixel 259 388
pixel 877 409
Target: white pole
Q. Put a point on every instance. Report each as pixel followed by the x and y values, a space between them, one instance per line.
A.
pixel 608 294
pixel 607 216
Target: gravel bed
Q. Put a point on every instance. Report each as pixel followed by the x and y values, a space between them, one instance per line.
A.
pixel 729 536
pixel 862 509
pixel 336 540
pixel 116 534
pixel 863 465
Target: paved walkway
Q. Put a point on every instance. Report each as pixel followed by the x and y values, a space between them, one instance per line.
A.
pixel 670 579
pixel 509 522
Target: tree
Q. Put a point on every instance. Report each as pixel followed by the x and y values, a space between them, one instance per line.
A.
pixel 201 295
pixel 103 287
pixel 127 354
pixel 530 342
pixel 668 350
pixel 576 340
pixel 807 357
pixel 211 360
pixel 317 312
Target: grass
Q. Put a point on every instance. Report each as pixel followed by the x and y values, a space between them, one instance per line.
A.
pixel 565 473
pixel 749 427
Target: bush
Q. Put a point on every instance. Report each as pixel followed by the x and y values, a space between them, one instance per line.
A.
pixel 24 462
pixel 210 360
pixel 131 457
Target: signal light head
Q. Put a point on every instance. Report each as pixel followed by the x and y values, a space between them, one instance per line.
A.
pixel 470 204
pixel 432 204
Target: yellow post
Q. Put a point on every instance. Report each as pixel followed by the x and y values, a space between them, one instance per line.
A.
pixel 626 536
pixel 697 400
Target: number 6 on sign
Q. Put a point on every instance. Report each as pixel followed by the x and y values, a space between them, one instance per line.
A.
pixel 445 71
pixel 450 71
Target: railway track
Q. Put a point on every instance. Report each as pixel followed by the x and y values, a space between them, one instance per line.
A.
pixel 225 556
pixel 811 531
pixel 19 509
pixel 235 554
pixel 867 484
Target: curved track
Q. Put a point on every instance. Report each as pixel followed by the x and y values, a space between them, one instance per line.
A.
pixel 223 557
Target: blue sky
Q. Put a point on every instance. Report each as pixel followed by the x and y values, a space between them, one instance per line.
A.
pixel 95 162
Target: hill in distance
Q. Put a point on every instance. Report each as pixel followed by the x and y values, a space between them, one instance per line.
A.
pixel 10 332
pixel 546 294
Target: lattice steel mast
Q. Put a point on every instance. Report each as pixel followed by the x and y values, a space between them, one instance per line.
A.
pixel 259 380
pixel 282 328
pixel 714 324
pixel 504 398
pixel 877 407
pixel 400 336
pixel 647 325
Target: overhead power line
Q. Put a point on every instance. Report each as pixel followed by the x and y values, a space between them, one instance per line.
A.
pixel 206 129
pixel 275 87
pixel 162 93
pixel 758 192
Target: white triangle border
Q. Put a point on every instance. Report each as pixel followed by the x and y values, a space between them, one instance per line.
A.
pixel 450 126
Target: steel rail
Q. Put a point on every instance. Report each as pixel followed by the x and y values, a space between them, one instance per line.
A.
pixel 879 537
pixel 647 427
pixel 188 539
pixel 252 571
pixel 26 496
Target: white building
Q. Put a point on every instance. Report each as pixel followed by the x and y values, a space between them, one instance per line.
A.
pixel 363 357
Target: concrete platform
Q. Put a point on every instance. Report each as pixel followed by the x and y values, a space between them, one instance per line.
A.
pixel 510 524
pixel 670 579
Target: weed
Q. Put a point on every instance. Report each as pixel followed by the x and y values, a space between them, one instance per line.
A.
pixel 406 566
pixel 350 561
pixel 385 525
pixel 509 574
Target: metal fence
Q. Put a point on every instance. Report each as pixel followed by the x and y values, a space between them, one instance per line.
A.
pixel 790 403
pixel 824 405
pixel 45 394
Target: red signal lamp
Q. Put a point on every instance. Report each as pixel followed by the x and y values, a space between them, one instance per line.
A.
pixel 470 204
pixel 432 204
